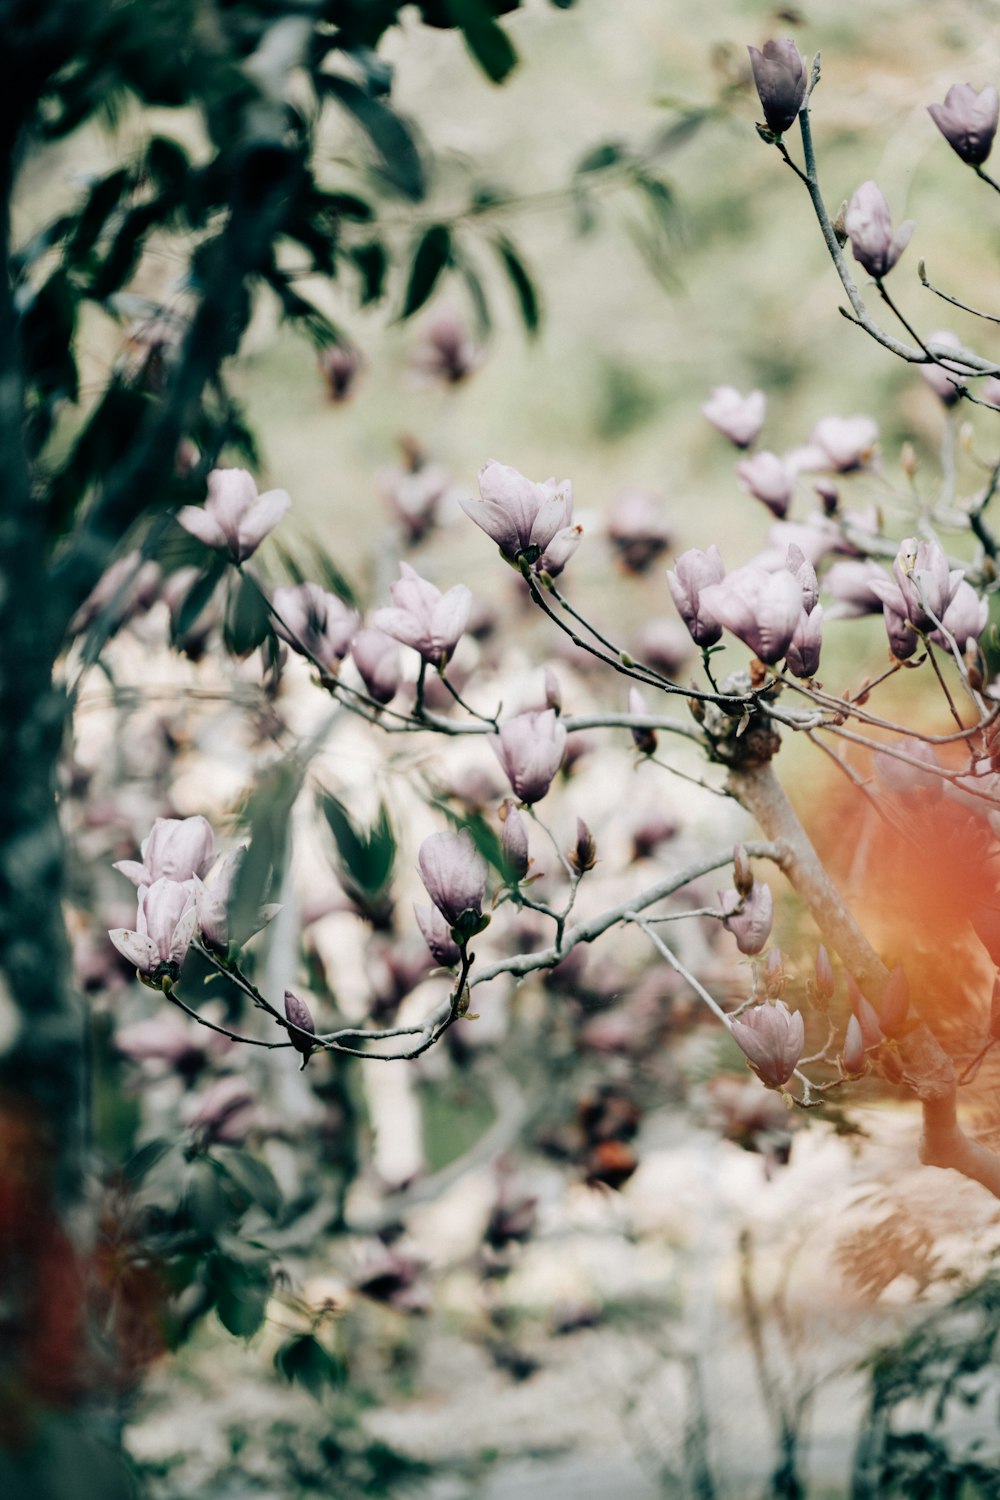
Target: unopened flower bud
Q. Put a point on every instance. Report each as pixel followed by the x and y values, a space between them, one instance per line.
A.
pixel 871 1031
pixel 553 691
pixel 299 1014
pixel 643 739
pixel 869 228
pixel 514 841
pixel 968 121
pixel 895 1002
pixel 824 975
pixel 779 74
pixel 584 856
pixel 742 871
pixel 853 1056
pixel 774 973
pixel 749 917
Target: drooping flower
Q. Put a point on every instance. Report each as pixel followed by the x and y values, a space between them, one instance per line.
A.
pixel 772 1038
pixel 968 121
pixel 530 749
pixel 164 928
pixel 521 516
pixel 759 607
pixel 779 74
pixel 424 618
pixel 768 479
pixel 376 656
pixel 739 418
pixel 749 917
pixel 174 848
pixel 234 516
pixel 869 229
pixel 314 622
pixel 454 875
pixel 692 573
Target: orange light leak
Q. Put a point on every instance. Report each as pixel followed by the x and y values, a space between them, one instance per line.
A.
pixel 914 870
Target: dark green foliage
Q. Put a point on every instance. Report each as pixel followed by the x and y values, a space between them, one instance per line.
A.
pixel 365 859
pixel 524 288
pixel 488 43
pixel 431 254
pixel 304 1361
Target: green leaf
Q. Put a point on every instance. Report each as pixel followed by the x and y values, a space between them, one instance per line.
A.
pixel 485 39
pixel 204 1200
pixel 145 1159
pixel 303 1361
pixel 254 1177
pixel 599 158
pixel 365 857
pixel 102 201
pixel 432 254
pixel 241 1294
pixel 371 262
pixel 267 813
pixel 399 156
pixel 247 623
pixel 524 288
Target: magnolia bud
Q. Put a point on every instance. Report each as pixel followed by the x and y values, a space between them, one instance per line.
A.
pixel 853 1057
pixel 824 975
pixel 895 1002
pixel 584 856
pixel 643 739
pixel 871 1031
pixel 299 1014
pixel 553 691
pixel 742 872
pixel 774 973
pixel 514 840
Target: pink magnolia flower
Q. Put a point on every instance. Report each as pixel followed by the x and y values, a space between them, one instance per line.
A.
pixel 314 622
pixel 530 749
pixel 968 120
pixel 213 900
pixel 965 618
pixel 692 574
pixel 167 1039
pixel 739 418
pixel 869 229
pixel 637 531
pixel 768 478
pixel 779 73
pixel 923 583
pixel 853 1056
pixel 175 848
pixel 772 1037
pixel 559 551
pixel 749 917
pixel 454 874
pixel 759 607
pixel 234 516
pixel 164 927
pixel 340 365
pixel 437 935
pixel 803 571
pixel 376 656
pixel 424 618
pixel 663 645
pixel 849 585
pixel 522 517
pixel 299 1014
pixel 447 351
pixel 844 443
pixel 124 589
pixel 413 497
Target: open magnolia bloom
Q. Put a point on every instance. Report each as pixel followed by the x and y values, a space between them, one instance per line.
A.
pixel 772 1038
pixel 521 516
pixel 234 517
pixel 175 849
pixel 164 928
pixel 530 748
pixel 424 618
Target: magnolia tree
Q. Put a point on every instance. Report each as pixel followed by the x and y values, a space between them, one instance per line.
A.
pixel 864 1008
pixel 897 976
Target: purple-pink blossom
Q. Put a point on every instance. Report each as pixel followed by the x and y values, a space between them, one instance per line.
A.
pixel 521 516
pixel 454 874
pixel 968 121
pixel 768 478
pixel 165 925
pixel 693 573
pixel 748 917
pixel 174 848
pixel 739 418
pixel 772 1038
pixel 779 73
pixel 869 229
pixel 530 749
pixel 234 517
pixel 424 618
pixel 314 622
pixel 759 607
pixel 376 656
pixel 437 935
